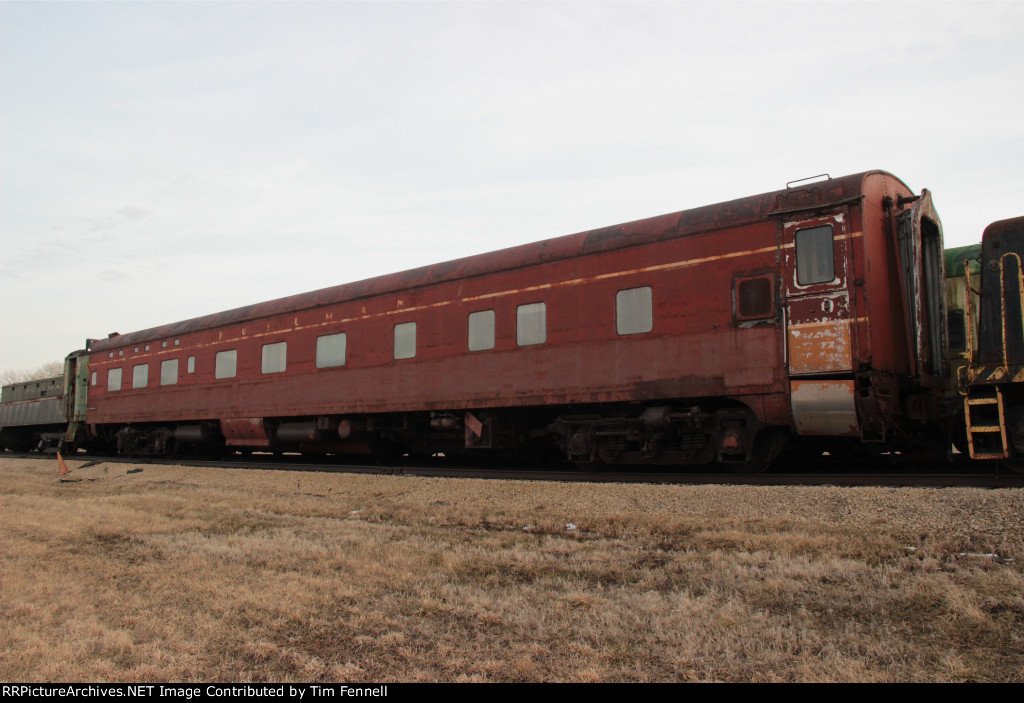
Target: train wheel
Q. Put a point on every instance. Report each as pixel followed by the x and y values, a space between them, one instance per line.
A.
pixel 769 443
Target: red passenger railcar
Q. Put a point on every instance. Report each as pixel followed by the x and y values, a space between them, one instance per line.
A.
pixel 717 333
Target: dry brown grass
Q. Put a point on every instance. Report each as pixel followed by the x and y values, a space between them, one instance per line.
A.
pixel 180 574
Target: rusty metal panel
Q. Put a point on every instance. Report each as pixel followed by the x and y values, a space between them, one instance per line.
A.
pixel 820 346
pixel 818 309
pixel 826 408
pixel 750 377
pixel 244 431
pixel 923 280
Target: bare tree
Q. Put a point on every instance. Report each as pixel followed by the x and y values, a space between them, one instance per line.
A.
pixel 47 370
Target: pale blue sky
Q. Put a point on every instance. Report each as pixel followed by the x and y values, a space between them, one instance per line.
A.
pixel 160 161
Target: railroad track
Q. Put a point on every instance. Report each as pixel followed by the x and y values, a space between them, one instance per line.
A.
pixel 918 474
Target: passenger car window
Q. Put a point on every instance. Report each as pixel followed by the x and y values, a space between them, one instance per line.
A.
pixel 275 357
pixel 226 364
pixel 405 340
pixel 481 330
pixel 168 372
pixel 634 311
pixel 531 324
pixel 140 376
pixel 114 380
pixel 330 350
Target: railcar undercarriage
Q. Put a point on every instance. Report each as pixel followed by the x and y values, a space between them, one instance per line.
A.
pixel 33 438
pixel 590 436
pixel 670 435
pixel 720 433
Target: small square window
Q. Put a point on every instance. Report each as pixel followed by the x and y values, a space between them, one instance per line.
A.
pixel 531 324
pixel 481 330
pixel 405 340
pixel 754 298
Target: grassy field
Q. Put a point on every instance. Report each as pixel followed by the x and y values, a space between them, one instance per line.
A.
pixel 181 574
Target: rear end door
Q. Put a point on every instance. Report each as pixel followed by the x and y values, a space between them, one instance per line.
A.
pixel 818 310
pixel 819 339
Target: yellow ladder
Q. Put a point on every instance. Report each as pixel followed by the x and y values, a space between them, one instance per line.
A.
pixel 983 400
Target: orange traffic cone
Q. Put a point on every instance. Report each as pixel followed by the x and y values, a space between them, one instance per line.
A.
pixel 63 467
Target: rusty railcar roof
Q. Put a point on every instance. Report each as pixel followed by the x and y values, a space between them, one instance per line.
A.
pixel 1002 226
pixel 707 218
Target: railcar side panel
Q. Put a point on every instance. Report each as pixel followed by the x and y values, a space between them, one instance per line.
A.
pixel 813 309
pixel 694 349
